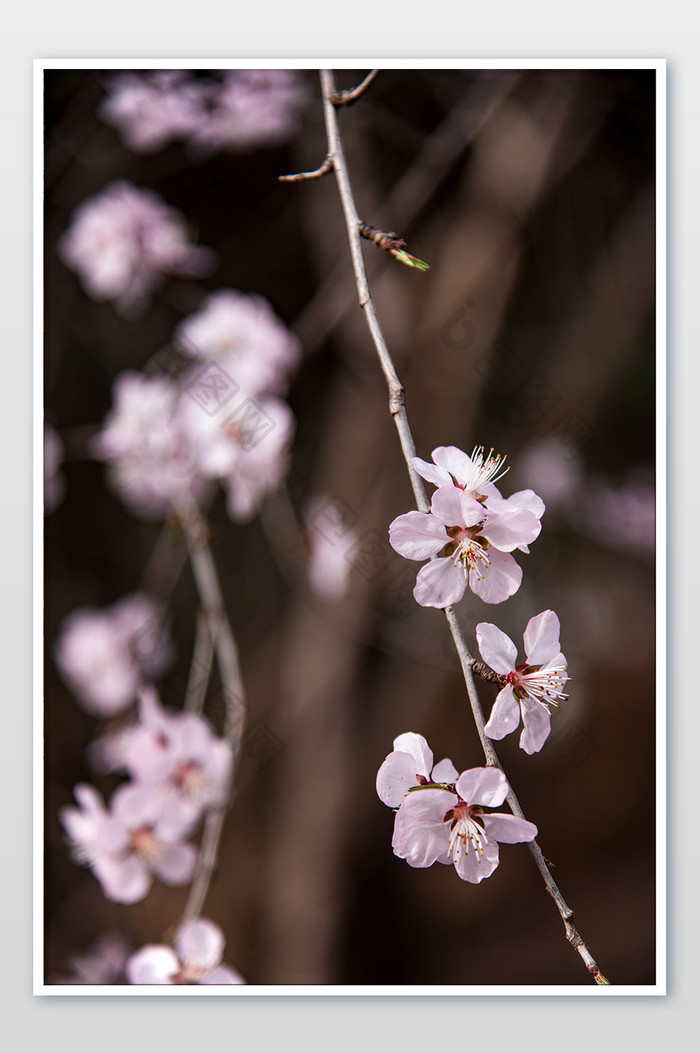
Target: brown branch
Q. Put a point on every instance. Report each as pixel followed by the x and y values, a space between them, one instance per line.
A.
pixel 298 177
pixel 351 95
pixel 398 412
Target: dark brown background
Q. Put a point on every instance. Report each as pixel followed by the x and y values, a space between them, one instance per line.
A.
pixel 531 194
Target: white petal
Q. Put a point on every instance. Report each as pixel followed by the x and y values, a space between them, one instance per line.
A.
pixel 499 580
pixel 455 462
pixel 541 638
pixel 417 535
pixel 505 715
pixel 497 649
pixel 419 749
pixel 176 864
pixel 508 829
pixel 433 474
pixel 485 786
pixel 510 529
pixel 470 867
pixel 536 726
pixel 395 778
pixel 200 944
pixel 445 772
pixel 454 507
pixel 439 584
pixel 153 964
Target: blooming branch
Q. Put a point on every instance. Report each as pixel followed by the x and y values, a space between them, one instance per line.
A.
pixel 398 412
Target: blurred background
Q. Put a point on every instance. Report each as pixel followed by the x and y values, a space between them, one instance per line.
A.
pixel 531 195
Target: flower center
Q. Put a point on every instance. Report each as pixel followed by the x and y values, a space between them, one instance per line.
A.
pixel 145 843
pixel 466 835
pixel 191 781
pixel 486 469
pixel 538 684
pixel 468 549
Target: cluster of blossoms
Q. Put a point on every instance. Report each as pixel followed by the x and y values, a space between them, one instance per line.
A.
pixel 440 815
pixel 105 655
pixel 178 771
pixel 470 527
pixel 123 241
pixel 167 440
pixel 195 958
pixel 468 535
pixel 235 110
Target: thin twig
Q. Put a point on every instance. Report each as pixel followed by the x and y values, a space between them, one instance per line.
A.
pixel 398 411
pixel 316 174
pixel 200 667
pixel 213 610
pixel 350 95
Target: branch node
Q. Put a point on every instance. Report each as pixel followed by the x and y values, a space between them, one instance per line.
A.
pixel 351 95
pixel 299 177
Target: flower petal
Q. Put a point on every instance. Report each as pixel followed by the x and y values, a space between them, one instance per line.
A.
pixel 454 461
pixel 511 528
pixel 153 964
pixel 445 771
pixel 541 638
pixel 421 836
pixel 433 474
pixel 123 881
pixel 471 867
pixel 497 649
pixel 200 944
pixel 439 584
pixel 176 864
pixel 454 507
pixel 508 829
pixel 419 749
pixel 417 535
pixel 499 580
pixel 486 786
pixel 536 726
pixel 505 715
pixel 222 975
pixel 395 778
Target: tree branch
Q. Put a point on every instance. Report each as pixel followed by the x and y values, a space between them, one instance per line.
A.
pixel 398 411
pixel 350 95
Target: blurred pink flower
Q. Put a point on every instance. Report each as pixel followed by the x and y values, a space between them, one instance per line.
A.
pixel 196 958
pixel 330 542
pixel 54 482
pixel 253 108
pixel 475 542
pixel 124 240
pixel 151 464
pixel 142 836
pixel 105 654
pixel 179 753
pixel 151 109
pixel 434 824
pixel 244 335
pixel 411 764
pixel 103 964
pixel 531 687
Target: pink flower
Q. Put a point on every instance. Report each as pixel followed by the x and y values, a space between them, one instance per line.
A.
pixel 530 688
pixel 181 755
pixel 141 836
pixel 151 109
pixel 103 964
pixel 151 462
pixel 196 958
pixel 329 541
pixel 123 241
pixel 54 482
pixel 244 335
pixel 104 655
pixel 410 764
pixel 435 823
pixel 475 542
pixel 253 108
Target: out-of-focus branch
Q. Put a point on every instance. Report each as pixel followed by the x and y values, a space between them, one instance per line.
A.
pixel 214 613
pixel 398 411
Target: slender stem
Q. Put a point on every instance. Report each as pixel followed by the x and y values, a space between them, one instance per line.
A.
pixel 398 412
pixel 214 613
pixel 350 95
pixel 200 667
pixel 298 177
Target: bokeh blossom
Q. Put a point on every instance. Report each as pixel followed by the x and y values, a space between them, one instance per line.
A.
pixel 195 958
pixel 531 687
pixel 142 835
pixel 252 108
pixel 124 241
pixel 104 655
pixel 104 963
pixel 244 335
pixel 151 109
pixel 441 817
pixel 330 541
pixel 475 544
pixel 54 482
